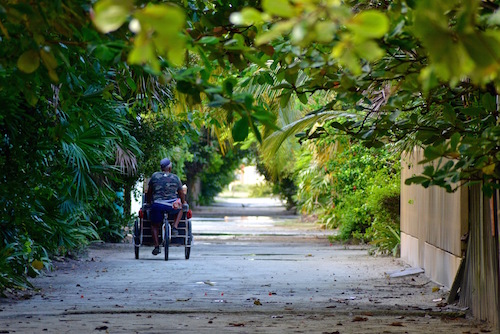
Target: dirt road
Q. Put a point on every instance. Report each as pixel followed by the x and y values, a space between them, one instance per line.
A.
pixel 253 282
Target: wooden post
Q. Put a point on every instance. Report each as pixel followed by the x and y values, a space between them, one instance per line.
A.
pixel 497 250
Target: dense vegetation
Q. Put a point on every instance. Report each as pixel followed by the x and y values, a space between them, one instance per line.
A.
pixel 80 127
pixel 352 188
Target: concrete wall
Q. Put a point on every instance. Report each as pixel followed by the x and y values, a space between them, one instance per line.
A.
pixel 432 224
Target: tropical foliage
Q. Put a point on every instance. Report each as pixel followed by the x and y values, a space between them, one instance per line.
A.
pixel 75 76
pixel 351 188
pixel 65 137
pixel 397 68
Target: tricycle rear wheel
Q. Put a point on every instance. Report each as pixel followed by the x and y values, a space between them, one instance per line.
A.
pixel 166 241
pixel 137 238
pixel 187 249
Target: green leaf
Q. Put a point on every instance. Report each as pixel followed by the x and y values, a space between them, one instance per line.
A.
pixel 109 15
pixel 303 98
pixel 369 50
pixel 416 179
pixel 240 130
pixel 449 113
pixel 285 97
pixel 257 134
pixel 432 152
pixel 248 16
pixel 31 98
pixel 29 61
pixel 256 60
pixel 209 40
pixel 161 27
pixel 291 75
pixel 218 101
pixel 280 8
pixel 240 40
pixel 131 84
pixel 283 85
pixel 143 53
pixel 104 53
pixel 248 98
pixel 369 24
pixel 454 140
pixel 228 86
pixel 48 58
pixel 166 20
pixel 489 102
pixel 176 55
pixel 263 115
pixel 428 78
pixel 472 111
pixel 325 31
pixel 428 170
pixel 368 134
pixel 277 30
pixel 489 169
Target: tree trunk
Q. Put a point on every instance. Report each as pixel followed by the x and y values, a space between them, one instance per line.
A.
pixel 194 190
pixel 127 199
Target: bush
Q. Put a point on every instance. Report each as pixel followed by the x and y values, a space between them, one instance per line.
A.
pixel 384 203
pixel 260 190
pixel 357 192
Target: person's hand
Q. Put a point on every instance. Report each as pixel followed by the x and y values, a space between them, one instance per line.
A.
pixel 177 204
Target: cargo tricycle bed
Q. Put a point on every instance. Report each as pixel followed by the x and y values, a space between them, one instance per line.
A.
pixel 142 233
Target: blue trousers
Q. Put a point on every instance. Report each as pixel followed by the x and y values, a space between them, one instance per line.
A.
pixel 157 211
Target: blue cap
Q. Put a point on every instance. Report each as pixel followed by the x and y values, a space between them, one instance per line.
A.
pixel 165 162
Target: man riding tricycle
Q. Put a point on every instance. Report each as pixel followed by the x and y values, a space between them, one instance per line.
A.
pixel 165 218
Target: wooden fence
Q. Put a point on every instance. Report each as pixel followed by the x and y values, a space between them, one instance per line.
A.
pixel 440 229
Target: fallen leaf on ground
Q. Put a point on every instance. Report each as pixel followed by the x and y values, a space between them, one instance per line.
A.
pixel 238 324
pixel 397 324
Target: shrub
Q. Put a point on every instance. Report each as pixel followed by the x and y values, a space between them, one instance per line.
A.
pixel 357 192
pixel 260 190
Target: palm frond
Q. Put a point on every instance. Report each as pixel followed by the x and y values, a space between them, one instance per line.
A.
pixel 273 142
pixel 126 161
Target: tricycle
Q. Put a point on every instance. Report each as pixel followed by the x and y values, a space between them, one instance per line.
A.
pixel 142 234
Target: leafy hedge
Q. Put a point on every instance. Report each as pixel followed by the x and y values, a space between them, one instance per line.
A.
pixel 356 192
